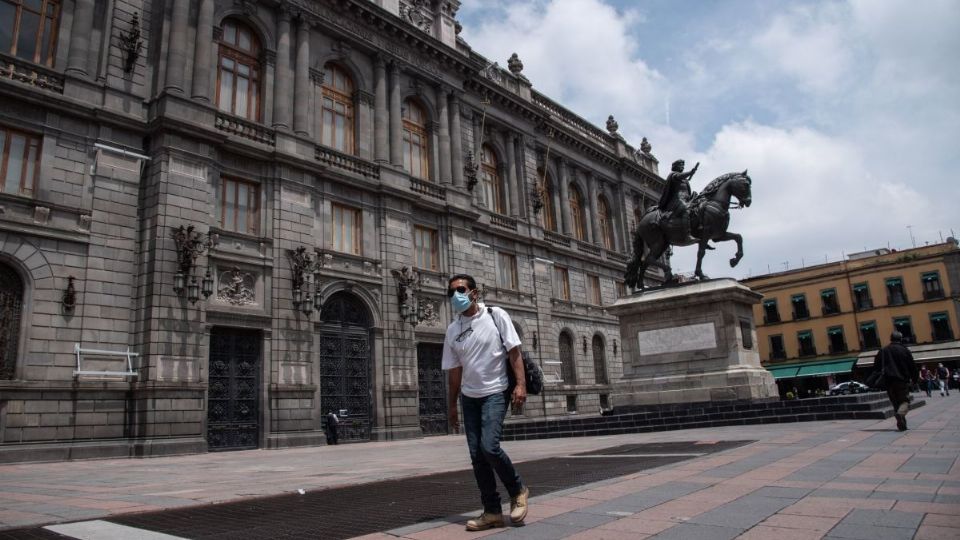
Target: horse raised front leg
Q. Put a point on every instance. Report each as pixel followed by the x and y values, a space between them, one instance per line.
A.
pixel 739 240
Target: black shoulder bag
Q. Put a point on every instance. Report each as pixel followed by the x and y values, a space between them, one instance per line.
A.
pixel 531 370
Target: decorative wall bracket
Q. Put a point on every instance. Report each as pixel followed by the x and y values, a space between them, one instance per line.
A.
pixel 408 295
pixel 131 45
pixel 69 300
pixel 470 168
pixel 306 266
pixel 191 244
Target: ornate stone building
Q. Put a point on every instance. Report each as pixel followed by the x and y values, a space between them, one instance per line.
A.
pixel 221 219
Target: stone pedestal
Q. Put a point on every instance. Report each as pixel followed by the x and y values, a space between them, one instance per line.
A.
pixel 691 343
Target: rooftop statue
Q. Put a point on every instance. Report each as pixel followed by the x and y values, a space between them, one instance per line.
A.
pixel 682 218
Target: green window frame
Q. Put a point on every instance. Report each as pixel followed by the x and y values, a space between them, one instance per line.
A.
pixel 771 314
pixel 861 296
pixel 800 309
pixel 806 335
pixel 828 298
pixel 940 329
pixel 905 327
pixel 896 294
pixel 932 287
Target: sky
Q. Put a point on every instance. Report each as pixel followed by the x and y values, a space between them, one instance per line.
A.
pixel 846 113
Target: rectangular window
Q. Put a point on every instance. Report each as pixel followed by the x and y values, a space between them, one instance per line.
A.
pixel 345 230
pixel 869 339
pixel 799 303
pixel 593 290
pixel 507 271
pixel 425 248
pixel 20 162
pixel 770 312
pixel 903 325
pixel 805 343
pixel 837 343
pixel 861 297
pixel 571 404
pixel 931 285
pixel 621 289
pixel 828 297
pixel 239 205
pixel 896 296
pixel 940 327
pixel 561 283
pixel 777 350
pixel 28 29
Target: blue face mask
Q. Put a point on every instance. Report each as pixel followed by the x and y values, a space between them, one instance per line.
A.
pixel 460 301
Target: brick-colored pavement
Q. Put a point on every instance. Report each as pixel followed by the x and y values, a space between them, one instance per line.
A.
pixel 841 479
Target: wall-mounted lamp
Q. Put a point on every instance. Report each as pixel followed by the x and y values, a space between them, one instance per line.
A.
pixel 584 344
pixel 614 347
pixel 190 245
pixel 408 289
pixel 536 342
pixel 69 300
pixel 306 265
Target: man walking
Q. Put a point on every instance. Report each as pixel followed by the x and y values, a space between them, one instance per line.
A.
pixel 926 376
pixel 475 355
pixel 943 377
pixel 896 363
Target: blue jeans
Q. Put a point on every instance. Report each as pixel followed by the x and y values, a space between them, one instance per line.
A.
pixel 483 424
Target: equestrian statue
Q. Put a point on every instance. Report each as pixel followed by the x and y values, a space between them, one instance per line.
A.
pixel 682 218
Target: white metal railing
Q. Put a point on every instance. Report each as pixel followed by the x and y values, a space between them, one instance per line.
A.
pixel 106 373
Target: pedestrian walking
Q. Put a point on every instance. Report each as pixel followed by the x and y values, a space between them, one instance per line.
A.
pixel 476 350
pixel 943 378
pixel 333 422
pixel 926 379
pixel 896 364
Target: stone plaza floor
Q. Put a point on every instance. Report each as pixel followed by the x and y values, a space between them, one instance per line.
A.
pixel 841 479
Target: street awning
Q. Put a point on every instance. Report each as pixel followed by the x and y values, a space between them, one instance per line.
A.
pixel 812 369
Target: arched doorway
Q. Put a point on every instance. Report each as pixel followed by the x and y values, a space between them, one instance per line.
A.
pixel 11 311
pixel 345 365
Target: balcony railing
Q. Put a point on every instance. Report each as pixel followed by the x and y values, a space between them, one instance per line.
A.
pixel 29 73
pixel 863 304
pixel 245 128
pixel 617 257
pixel 345 162
pixel 778 355
pixel 429 189
pixel 555 238
pixel 503 222
pixel 770 318
pixel 588 248
pixel 932 295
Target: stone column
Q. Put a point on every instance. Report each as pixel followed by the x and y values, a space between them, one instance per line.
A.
pixel 201 55
pixel 435 146
pixel 443 111
pixel 557 205
pixel 594 215
pixel 176 47
pixel 456 141
pixel 396 122
pixel 281 93
pixel 80 37
pixel 564 197
pixel 514 190
pixel 301 87
pixel 381 119
pixel 622 236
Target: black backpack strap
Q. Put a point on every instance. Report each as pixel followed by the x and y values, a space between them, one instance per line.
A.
pixel 497 326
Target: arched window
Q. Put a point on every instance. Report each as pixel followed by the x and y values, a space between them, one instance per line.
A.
pixel 415 147
pixel 492 184
pixel 238 71
pixel 337 109
pixel 567 371
pixel 579 225
pixel 549 212
pixel 599 360
pixel 606 222
pixel 11 309
pixel 28 29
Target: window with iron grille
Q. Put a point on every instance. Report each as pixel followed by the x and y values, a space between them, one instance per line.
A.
pixel 777 350
pixel 828 297
pixel 770 312
pixel 805 343
pixel 940 326
pixel 861 297
pixel 869 339
pixel 931 285
pixel 904 326
pixel 837 343
pixel 567 371
pixel 896 296
pixel 11 311
pixel 599 360
pixel 799 303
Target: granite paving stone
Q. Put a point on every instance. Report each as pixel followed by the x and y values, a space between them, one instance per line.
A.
pixel 695 531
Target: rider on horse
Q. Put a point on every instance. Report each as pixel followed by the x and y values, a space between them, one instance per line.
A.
pixel 673 205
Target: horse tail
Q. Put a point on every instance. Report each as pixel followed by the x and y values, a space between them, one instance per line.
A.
pixel 634 273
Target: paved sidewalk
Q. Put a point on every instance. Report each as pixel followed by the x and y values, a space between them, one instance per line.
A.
pixel 842 479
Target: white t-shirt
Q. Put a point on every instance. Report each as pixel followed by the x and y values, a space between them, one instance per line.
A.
pixel 474 343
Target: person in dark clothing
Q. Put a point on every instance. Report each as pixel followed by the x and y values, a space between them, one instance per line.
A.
pixel 332 422
pixel 896 363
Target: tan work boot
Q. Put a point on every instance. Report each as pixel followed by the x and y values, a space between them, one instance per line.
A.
pixel 485 521
pixel 518 506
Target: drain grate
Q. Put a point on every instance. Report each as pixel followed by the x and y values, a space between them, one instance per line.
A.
pixel 362 509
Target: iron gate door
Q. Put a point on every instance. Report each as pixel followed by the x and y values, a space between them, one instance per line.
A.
pixel 345 366
pixel 233 389
pixel 431 380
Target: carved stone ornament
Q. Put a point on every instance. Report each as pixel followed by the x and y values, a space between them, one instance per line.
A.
pixel 470 168
pixel 514 64
pixel 612 125
pixel 131 45
pixel 237 288
pixel 537 195
pixel 645 146
pixel 430 313
pixel 417 13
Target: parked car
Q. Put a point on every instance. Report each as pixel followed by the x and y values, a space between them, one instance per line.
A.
pixel 849 387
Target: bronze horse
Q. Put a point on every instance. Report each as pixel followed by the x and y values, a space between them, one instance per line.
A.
pixel 709 217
